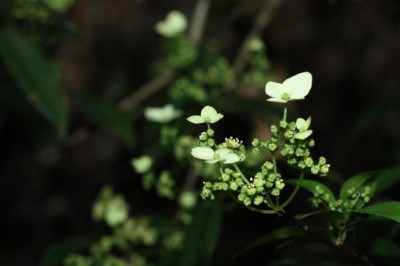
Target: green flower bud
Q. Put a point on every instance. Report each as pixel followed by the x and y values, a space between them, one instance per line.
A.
pixel 301 165
pixel 272 146
pixel 210 142
pixel 271 177
pixel 225 177
pixel 210 132
pixel 275 192
pixel 247 201
pixel 315 169
pixel 256 151
pixel 309 162
pixel 311 143
pixel 269 166
pixel 228 171
pixel 239 182
pixel 321 160
pixel 260 189
pixel 187 200
pixel 258 200
pixel 324 169
pixel 251 191
pixel 255 142
pixel 299 152
pixel 283 124
pixel 203 136
pixel 274 129
pixel 269 184
pixel 233 186
pixel 242 196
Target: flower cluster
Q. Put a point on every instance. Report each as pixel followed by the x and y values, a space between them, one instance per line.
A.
pixel 292 140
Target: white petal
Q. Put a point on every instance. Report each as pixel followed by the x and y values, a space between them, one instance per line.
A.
pixel 223 152
pixel 298 86
pixel 162 114
pixel 308 123
pixel 216 118
pixel 276 100
pixel 273 89
pixel 231 158
pixel 195 119
pixel 300 124
pixel 208 111
pixel 203 153
pixel 303 135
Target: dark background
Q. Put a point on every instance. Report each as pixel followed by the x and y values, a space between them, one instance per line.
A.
pixel 47 187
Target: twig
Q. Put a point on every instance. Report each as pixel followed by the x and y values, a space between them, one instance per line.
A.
pixel 263 19
pixel 196 31
pixel 341 248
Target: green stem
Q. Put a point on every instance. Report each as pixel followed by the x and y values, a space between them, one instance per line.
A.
pixel 274 162
pixel 271 203
pixel 285 113
pixel 241 174
pixel 294 193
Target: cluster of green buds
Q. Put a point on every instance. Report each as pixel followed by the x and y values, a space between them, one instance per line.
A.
pixel 291 139
pixel 354 199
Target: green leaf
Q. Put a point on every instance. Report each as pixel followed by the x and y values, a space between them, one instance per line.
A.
pixel 384 248
pixel 36 77
pixel 311 185
pixel 389 210
pixel 374 114
pixel 357 181
pixel 202 235
pixel 107 116
pixel 387 179
pixel 276 235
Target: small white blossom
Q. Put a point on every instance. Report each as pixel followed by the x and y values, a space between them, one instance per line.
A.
pixel 303 127
pixel 162 114
pixel 207 115
pixel 210 156
pixel 293 88
pixel 174 24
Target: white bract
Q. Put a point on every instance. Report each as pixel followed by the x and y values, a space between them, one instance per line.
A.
pixel 207 115
pixel 303 127
pixel 293 88
pixel 162 114
pixel 174 24
pixel 210 156
pixel 142 164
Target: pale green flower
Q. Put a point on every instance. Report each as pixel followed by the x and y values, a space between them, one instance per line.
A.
pixel 255 45
pixel 210 156
pixel 174 24
pixel 142 164
pixel 303 127
pixel 162 114
pixel 207 115
pixel 293 88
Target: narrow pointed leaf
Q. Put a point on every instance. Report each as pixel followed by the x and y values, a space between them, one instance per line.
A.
pixel 108 117
pixel 36 76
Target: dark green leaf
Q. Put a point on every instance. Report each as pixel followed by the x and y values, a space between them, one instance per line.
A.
pixel 389 210
pixel 374 114
pixel 36 77
pixel 357 181
pixel 56 252
pixel 387 179
pixel 385 248
pixel 202 235
pixel 107 116
pixel 278 234
pixel 311 185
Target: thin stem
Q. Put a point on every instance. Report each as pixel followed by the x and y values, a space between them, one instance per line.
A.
pixel 274 162
pixel 285 113
pixel 294 193
pixel 241 174
pixel 269 200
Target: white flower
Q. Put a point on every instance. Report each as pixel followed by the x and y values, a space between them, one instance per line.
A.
pixel 142 164
pixel 162 114
pixel 207 115
pixel 174 24
pixel 303 127
pixel 210 156
pixel 293 88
